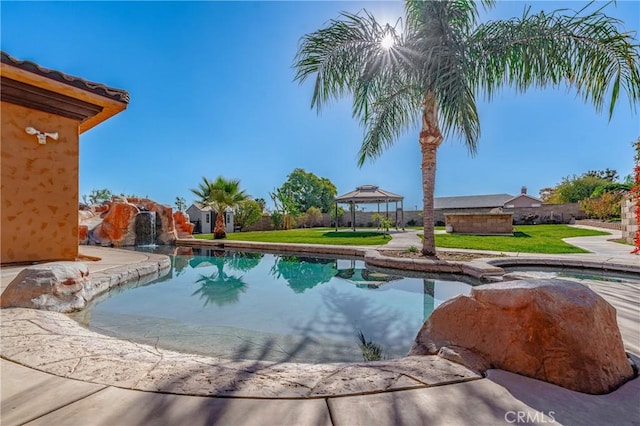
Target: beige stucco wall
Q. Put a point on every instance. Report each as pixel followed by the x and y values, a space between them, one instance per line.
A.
pixel 39 211
pixel 493 223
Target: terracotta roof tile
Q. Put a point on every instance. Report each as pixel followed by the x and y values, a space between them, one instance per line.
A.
pixel 97 88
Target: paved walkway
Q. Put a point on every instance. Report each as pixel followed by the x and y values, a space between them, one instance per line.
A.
pixel 30 396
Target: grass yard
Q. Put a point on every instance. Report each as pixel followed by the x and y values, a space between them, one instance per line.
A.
pixel 309 236
pixel 526 239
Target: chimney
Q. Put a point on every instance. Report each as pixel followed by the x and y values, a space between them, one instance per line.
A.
pixel 523 190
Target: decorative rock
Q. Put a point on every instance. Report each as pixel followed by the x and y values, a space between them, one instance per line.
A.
pixel 57 286
pixel 83 234
pixel 117 227
pixel 167 231
pixel 184 228
pixel 553 330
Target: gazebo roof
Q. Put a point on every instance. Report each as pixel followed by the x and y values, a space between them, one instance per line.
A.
pixel 368 194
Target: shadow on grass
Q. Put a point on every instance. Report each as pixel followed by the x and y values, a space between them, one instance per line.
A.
pixel 518 234
pixel 352 234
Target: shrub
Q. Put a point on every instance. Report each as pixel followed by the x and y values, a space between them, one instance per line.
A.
pixel 605 207
pixel 312 217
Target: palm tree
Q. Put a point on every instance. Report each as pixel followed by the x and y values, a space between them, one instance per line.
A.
pixel 220 195
pixel 429 73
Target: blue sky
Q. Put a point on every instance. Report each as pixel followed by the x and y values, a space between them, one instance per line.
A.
pixel 212 93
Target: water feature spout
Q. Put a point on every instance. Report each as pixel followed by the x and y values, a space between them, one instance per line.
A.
pixel 145 228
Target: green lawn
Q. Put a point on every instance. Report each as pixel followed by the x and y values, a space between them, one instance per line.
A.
pixel 309 236
pixel 526 239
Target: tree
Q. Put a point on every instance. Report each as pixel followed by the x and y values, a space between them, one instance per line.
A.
pixel 635 194
pixel 430 73
pixel 605 202
pixel 98 196
pixel 382 221
pixel 547 194
pixel 574 188
pixel 606 206
pixel 285 211
pixel 308 190
pixel 180 203
pixel 246 214
pixel 220 195
pixel 262 203
pixel 607 174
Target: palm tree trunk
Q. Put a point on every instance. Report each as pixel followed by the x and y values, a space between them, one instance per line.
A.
pixel 430 140
pixel 219 229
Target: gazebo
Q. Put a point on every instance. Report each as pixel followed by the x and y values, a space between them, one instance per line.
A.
pixel 370 194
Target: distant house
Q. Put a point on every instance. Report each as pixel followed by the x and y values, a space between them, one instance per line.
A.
pixel 522 200
pixel 482 204
pixel 204 217
pixel 487 202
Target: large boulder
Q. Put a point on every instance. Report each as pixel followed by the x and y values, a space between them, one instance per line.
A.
pixel 58 286
pixel 554 330
pixel 118 226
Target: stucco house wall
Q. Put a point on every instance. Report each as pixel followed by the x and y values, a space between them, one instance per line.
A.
pixel 480 224
pixel 39 187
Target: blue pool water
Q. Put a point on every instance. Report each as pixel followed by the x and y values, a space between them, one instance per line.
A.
pixel 271 307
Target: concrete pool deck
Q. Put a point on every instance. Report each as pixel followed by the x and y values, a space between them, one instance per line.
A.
pixel 56 372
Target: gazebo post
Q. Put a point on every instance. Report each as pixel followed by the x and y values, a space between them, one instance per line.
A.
pixel 396 220
pixel 353 216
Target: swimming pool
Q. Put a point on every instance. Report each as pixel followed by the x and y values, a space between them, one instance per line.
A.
pixel 245 305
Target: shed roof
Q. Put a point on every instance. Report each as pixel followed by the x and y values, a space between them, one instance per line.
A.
pixel 368 194
pixel 471 201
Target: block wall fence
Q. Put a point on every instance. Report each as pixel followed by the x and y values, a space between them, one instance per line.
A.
pixel 547 213
pixel 629 221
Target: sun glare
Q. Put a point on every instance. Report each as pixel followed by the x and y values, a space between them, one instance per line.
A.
pixel 387 42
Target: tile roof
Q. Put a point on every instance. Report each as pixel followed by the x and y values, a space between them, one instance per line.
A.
pixel 471 201
pixel 97 88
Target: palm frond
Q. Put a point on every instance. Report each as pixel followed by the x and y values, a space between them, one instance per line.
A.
pixel 395 104
pixel 582 49
pixel 346 53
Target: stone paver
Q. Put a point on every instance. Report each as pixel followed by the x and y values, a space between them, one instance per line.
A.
pixel 473 403
pixel 113 406
pixel 619 408
pixel 28 394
